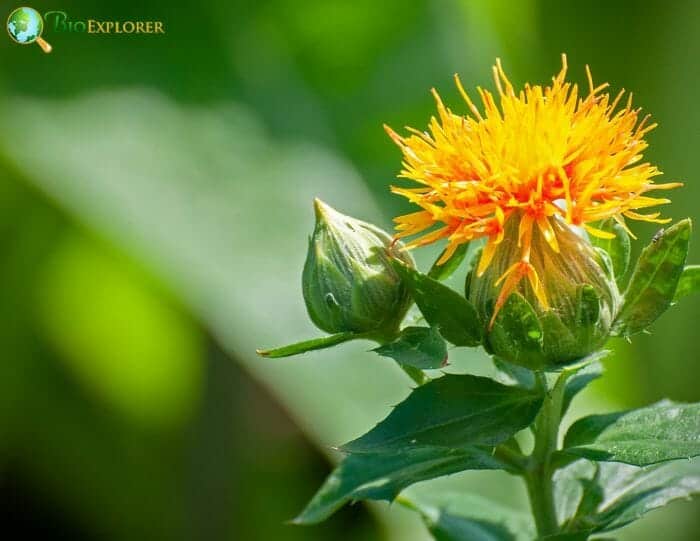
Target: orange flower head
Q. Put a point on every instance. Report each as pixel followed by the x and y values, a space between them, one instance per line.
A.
pixel 543 155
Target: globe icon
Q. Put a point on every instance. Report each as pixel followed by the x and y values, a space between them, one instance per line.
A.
pixel 25 26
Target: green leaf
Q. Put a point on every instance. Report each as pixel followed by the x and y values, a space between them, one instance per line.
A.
pixel 589 370
pixel 444 271
pixel 512 374
pixel 419 347
pixel 618 248
pixel 454 410
pixel 607 496
pixel 653 284
pixel 517 333
pixel 308 345
pixel 688 283
pixel 663 431
pixel 381 476
pixel 443 308
pixel 468 517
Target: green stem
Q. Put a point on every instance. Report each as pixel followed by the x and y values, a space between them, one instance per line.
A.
pixel 540 469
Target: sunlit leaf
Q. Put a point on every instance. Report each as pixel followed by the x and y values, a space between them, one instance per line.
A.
pixel 453 410
pixel 663 431
pixel 606 496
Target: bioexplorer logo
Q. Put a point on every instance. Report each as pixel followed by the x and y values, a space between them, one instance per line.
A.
pixel 25 26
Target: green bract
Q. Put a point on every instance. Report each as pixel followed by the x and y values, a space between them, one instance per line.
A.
pixel 655 279
pixel 348 283
pixel 579 287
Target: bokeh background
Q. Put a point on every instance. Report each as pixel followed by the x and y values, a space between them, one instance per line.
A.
pixel 155 199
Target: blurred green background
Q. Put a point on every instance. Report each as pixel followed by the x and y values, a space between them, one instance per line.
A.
pixel 155 199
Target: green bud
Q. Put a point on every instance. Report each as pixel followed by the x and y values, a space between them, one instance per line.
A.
pixel 580 290
pixel 349 283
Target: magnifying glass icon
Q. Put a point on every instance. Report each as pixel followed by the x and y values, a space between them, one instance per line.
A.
pixel 25 26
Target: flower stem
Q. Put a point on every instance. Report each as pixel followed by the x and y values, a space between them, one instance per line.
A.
pixel 540 469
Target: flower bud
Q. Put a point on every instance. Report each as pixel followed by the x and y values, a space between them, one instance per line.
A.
pixel 575 282
pixel 348 282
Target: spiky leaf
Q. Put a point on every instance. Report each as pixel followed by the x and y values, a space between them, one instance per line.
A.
pixel 663 431
pixel 595 498
pixel 454 410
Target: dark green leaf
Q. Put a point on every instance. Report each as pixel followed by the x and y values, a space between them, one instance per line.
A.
pixel 308 345
pixel 653 284
pixel 444 271
pixel 663 431
pixel 608 495
pixel 454 410
pixel 381 476
pixel 419 347
pixel 618 249
pixel 512 374
pixel 468 517
pixel 517 333
pixel 688 283
pixel 584 374
pixel 443 308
